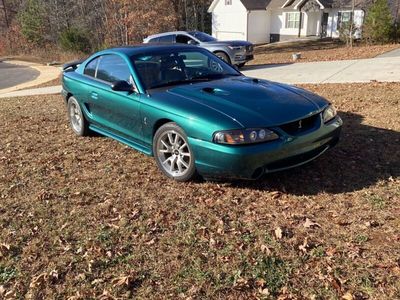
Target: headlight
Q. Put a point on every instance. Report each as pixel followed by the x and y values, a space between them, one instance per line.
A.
pixel 329 113
pixel 245 136
pixel 236 47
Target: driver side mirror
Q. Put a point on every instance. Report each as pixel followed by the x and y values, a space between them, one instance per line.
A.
pixel 122 86
pixel 192 42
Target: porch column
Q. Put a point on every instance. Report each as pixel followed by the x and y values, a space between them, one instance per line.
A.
pixel 300 21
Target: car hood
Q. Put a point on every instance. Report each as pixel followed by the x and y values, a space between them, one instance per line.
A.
pixel 253 103
pixel 228 43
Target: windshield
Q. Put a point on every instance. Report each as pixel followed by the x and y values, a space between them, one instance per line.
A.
pixel 167 68
pixel 203 37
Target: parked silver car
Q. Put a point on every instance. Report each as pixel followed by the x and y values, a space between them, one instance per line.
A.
pixel 234 52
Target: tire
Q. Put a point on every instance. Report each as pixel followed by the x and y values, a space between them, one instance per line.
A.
pixel 241 65
pixel 77 120
pixel 173 154
pixel 223 56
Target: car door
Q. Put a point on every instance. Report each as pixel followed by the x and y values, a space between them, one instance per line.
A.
pixel 115 111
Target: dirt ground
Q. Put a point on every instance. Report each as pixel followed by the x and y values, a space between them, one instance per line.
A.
pixel 84 218
pixel 325 50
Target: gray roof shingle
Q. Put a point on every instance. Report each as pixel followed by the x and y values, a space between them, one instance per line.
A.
pixel 359 4
pixel 255 4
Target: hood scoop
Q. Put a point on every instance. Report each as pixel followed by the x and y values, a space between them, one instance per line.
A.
pixel 215 91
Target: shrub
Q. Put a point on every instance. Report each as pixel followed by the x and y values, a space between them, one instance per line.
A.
pixel 74 39
pixel 347 32
pixel 378 22
pixel 395 35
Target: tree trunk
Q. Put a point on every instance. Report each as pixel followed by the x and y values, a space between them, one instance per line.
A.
pixel 5 14
pixel 352 23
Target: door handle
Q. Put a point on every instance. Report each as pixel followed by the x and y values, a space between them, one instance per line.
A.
pixel 94 95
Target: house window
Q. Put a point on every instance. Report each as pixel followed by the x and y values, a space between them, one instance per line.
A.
pixel 293 20
pixel 344 19
pixel 228 2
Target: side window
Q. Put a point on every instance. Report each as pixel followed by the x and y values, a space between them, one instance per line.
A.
pixel 91 67
pixel 183 39
pixel 113 68
pixel 166 39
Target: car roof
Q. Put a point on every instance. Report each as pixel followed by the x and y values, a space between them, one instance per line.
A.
pixel 167 33
pixel 143 48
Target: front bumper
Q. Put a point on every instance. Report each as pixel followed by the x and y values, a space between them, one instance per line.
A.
pixel 241 56
pixel 252 161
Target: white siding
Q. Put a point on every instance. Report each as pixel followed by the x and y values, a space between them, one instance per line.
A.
pixel 259 27
pixel 333 31
pixel 229 22
pixel 278 21
pixel 314 23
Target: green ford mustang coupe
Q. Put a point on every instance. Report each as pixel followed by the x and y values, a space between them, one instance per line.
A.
pixel 196 114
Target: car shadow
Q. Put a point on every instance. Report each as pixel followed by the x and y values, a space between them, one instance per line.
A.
pixel 364 156
pixel 263 66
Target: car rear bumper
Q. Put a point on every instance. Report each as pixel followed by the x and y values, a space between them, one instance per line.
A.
pixel 252 161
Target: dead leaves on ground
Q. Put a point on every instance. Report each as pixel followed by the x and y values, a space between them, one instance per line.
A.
pixel 310 224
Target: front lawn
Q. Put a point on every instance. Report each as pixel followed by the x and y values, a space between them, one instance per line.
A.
pixel 316 50
pixel 84 218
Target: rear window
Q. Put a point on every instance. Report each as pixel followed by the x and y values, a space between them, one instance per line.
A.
pixel 154 40
pixel 167 39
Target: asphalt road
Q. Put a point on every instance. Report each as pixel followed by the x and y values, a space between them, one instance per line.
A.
pixel 11 75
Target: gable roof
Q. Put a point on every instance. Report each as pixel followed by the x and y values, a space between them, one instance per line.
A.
pixel 255 4
pixel 248 4
pixel 278 4
pixel 294 4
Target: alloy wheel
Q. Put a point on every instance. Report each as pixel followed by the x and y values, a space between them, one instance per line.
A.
pixel 174 153
pixel 76 117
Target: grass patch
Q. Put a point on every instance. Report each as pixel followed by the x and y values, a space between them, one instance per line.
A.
pixel 90 217
pixel 377 202
pixel 7 274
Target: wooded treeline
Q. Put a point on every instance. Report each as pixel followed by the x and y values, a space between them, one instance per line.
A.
pixel 87 25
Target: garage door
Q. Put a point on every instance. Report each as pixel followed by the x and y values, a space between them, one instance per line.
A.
pixel 229 35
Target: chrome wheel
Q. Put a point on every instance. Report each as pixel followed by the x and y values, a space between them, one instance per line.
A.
pixel 76 118
pixel 174 153
pixel 75 115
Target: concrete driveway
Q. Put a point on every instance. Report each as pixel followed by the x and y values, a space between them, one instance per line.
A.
pixel 344 71
pixel 12 75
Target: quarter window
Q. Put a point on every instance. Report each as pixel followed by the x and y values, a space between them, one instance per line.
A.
pixel 154 40
pixel 91 67
pixel 113 68
pixel 293 20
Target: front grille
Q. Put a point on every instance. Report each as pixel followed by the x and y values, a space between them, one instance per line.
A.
pixel 300 126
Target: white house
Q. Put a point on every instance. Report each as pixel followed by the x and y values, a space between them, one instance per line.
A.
pixel 264 21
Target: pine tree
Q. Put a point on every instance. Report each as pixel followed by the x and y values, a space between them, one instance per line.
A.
pixel 378 22
pixel 32 22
